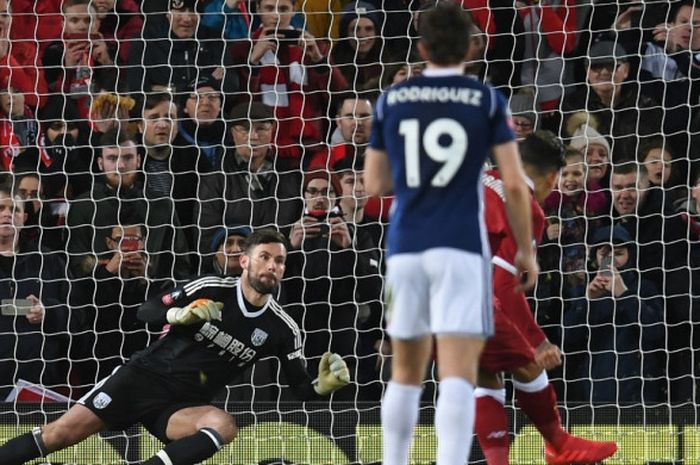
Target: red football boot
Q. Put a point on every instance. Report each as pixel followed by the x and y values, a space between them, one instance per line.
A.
pixel 575 450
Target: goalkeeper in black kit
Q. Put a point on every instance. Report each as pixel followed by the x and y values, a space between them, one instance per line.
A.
pixel 219 327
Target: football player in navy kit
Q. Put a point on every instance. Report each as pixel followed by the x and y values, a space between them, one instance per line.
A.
pixel 219 327
pixel 430 138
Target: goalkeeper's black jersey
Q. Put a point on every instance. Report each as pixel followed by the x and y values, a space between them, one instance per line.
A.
pixel 204 357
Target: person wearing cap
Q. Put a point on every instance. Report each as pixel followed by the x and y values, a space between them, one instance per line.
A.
pixel 67 145
pixel 181 54
pixel 228 245
pixel 290 72
pixel 623 112
pixel 586 139
pixel 201 125
pixel 254 187
pixel 622 361
pixel 359 52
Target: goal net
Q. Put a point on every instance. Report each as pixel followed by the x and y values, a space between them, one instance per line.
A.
pixel 141 141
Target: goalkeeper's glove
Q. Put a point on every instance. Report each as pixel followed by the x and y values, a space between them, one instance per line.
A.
pixel 196 312
pixel 333 374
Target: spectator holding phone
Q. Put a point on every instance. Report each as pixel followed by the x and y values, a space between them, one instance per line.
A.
pixel 624 361
pixel 325 273
pixel 111 302
pixel 81 62
pixel 34 321
pixel 289 69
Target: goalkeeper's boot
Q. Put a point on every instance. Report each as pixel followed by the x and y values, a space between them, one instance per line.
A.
pixel 575 450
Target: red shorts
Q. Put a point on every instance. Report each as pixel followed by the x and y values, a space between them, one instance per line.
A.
pixel 517 334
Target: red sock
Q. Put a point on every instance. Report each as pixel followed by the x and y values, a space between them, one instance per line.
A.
pixel 491 429
pixel 541 408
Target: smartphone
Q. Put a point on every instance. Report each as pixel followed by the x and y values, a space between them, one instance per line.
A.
pixel 606 266
pixel 12 307
pixel 129 244
pixel 285 34
pixel 82 36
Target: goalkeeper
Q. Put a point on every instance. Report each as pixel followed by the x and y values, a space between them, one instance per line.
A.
pixel 220 327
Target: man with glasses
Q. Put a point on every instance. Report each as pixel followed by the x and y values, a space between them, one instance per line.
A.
pixel 326 276
pixel 255 187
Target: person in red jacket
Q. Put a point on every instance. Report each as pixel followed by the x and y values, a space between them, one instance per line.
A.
pixel 519 346
pixel 17 65
pixel 290 71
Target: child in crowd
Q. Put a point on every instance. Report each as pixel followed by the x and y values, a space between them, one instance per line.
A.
pixel 572 211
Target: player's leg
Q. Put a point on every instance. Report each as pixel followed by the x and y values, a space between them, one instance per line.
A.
pixel 538 400
pixel 409 327
pixel 195 434
pixel 507 349
pixel 491 425
pixel 462 317
pixel 76 424
pixel 456 408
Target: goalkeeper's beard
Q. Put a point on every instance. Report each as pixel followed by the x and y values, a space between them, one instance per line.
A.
pixel 261 287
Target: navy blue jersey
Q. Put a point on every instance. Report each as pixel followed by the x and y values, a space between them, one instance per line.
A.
pixel 437 130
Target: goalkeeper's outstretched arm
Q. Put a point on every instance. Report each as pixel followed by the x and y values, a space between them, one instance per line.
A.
pixel 183 305
pixel 333 374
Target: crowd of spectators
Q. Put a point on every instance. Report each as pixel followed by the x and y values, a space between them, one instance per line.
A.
pixel 141 142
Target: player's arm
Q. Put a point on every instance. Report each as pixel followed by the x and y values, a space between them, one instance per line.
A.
pixel 377 172
pixel 518 210
pixel 188 304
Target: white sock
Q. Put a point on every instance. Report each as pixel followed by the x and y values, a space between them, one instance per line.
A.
pixel 399 417
pixel 454 421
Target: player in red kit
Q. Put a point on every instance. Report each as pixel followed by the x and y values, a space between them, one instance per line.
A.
pixel 519 346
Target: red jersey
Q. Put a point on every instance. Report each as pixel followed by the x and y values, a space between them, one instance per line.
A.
pixel 501 238
pixel 517 333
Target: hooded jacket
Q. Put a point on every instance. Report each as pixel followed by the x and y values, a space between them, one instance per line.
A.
pixel 617 343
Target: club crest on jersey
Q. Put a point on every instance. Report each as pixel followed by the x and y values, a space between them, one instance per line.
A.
pixel 101 400
pixel 259 337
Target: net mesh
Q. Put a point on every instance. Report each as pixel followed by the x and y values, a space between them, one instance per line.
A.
pixel 133 133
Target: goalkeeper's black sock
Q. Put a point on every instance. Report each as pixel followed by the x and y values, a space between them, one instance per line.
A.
pixel 26 447
pixel 186 451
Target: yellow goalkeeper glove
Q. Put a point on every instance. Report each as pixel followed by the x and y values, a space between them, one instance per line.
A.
pixel 333 374
pixel 196 312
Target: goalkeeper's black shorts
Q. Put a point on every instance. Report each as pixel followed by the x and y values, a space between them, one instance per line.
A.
pixel 131 395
